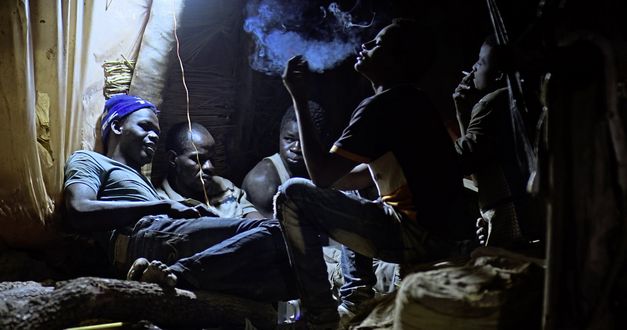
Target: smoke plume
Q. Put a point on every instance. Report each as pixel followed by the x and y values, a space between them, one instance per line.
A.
pixel 282 29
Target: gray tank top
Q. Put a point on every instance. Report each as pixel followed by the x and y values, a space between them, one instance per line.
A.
pixel 280 167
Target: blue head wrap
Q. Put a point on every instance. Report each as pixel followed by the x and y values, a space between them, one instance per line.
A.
pixel 120 106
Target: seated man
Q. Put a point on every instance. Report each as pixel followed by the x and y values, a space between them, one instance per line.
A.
pixel 492 149
pixel 185 180
pixel 262 182
pixel 400 136
pixel 108 197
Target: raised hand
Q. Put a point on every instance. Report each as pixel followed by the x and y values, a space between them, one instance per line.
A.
pixel 464 97
pixel 465 88
pixel 295 77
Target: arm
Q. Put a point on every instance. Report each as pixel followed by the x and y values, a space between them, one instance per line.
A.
pixel 324 168
pixel 249 210
pixel 358 178
pixel 463 97
pixel 260 185
pixel 477 143
pixel 86 213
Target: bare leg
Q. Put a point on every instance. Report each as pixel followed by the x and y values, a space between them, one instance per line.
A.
pixel 154 272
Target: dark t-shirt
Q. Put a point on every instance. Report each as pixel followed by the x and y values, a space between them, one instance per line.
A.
pixel 411 157
pixel 111 180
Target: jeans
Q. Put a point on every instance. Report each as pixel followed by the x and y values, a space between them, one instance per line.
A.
pixel 236 256
pixel 359 278
pixel 370 228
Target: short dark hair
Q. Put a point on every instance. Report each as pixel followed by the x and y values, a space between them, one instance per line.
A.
pixel 416 45
pixel 178 135
pixel 318 115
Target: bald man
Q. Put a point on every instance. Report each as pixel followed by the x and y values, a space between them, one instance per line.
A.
pixel 191 174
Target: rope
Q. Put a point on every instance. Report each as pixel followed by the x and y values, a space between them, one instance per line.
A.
pixel 118 75
pixel 189 120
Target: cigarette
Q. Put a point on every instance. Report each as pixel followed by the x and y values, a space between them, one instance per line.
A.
pixel 465 73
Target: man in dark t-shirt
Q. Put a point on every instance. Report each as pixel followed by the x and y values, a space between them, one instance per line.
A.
pixel 410 156
pixel 400 137
pixel 107 197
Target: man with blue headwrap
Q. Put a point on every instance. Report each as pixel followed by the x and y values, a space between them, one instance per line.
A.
pixel 107 196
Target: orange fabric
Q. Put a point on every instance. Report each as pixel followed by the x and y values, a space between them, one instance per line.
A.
pixel 402 200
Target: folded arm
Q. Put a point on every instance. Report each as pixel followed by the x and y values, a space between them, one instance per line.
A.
pixel 86 213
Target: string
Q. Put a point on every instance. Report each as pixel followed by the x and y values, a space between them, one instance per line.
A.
pixel 189 119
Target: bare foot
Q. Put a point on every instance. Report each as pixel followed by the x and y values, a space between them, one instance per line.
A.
pixel 154 272
pixel 137 269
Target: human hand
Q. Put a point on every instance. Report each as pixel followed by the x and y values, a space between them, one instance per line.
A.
pixel 181 211
pixel 205 211
pixel 295 76
pixel 465 90
pixel 482 231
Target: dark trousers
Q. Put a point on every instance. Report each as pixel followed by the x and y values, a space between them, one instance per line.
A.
pixel 236 256
pixel 370 228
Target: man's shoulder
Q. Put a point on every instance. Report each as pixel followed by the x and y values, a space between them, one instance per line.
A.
pixel 404 95
pixel 499 95
pixel 224 183
pixel 493 100
pixel 81 156
pixel 264 168
pixel 407 90
pixel 160 188
pixel 85 153
pixel 263 173
pixel 84 166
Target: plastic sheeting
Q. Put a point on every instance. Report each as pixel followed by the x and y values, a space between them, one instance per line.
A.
pixel 153 62
pixel 51 82
pixel 150 76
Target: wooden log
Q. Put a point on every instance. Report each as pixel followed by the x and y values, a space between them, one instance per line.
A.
pixel 30 305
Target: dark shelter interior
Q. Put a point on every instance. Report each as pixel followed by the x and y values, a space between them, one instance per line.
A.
pixel 233 98
pixel 223 71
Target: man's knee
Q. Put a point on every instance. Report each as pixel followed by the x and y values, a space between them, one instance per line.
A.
pixel 289 194
pixel 295 187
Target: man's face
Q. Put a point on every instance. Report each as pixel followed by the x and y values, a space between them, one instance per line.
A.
pixel 289 148
pixel 484 72
pixel 193 163
pixel 376 54
pixel 139 136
